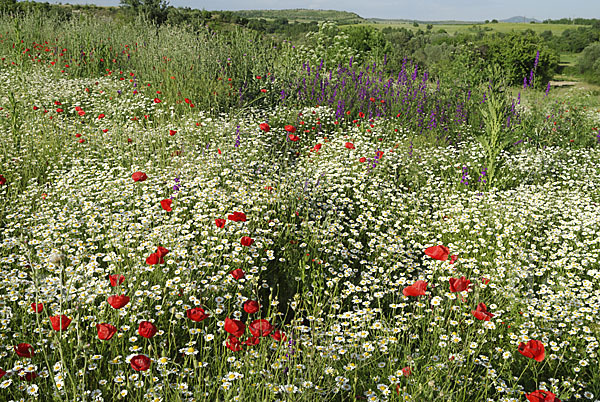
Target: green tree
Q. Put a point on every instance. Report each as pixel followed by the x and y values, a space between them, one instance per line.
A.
pixel 515 53
pixel 589 62
pixel 156 11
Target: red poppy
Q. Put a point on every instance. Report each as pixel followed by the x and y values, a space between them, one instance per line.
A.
pixel 81 113
pixel 140 363
pixel 117 301
pixel 220 223
pixel 105 331
pixel 453 258
pixel 186 100
pixel 156 100
pixel 24 350
pixel 234 343
pixel 349 145
pixel 459 284
pixel 234 327
pixel 2 373
pixel 438 252
pixel 196 314
pixel 251 306
pixel 416 289
pixel 77 135
pixel 166 204
pixel 293 137
pixel 157 257
pixel 116 280
pixel 362 160
pixel 237 217
pixel 147 329
pixel 237 273
pixel 101 116
pixel 406 371
pixel 172 132
pixel 316 148
pixel 265 127
pixel 139 176
pixel 533 349
pixel 60 322
pixel 81 141
pixel 247 241
pixel 278 336
pixel 252 341
pixel 152 259
pixel 161 251
pixel 38 308
pixel 542 396
pixel 290 129
pixel 59 110
pixel 260 328
pixel 481 312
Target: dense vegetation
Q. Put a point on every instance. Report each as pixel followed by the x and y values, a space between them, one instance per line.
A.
pixel 432 47
pixel 195 210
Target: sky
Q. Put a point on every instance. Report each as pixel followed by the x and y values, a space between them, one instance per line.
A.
pixel 430 10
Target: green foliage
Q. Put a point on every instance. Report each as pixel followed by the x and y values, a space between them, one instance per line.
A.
pixel 153 10
pixel 516 52
pixel 330 45
pixel 368 41
pixel 589 62
pixel 493 113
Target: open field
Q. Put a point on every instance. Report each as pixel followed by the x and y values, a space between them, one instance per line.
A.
pixel 196 215
pixel 504 27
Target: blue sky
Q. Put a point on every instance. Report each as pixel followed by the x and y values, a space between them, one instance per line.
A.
pixel 430 10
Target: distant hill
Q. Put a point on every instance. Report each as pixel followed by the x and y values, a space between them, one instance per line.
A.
pixel 520 19
pixel 303 15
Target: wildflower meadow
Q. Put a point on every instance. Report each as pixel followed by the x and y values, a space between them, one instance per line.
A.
pixel 197 215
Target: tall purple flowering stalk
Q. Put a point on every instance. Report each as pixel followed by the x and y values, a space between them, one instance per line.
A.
pixel 237 140
pixel 465 176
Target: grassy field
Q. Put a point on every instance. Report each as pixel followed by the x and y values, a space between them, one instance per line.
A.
pixel 202 216
pixel 504 27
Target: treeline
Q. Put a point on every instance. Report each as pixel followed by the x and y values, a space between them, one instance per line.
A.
pixel 574 21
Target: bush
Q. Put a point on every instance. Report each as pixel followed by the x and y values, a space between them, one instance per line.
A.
pixel 589 62
pixel 516 53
